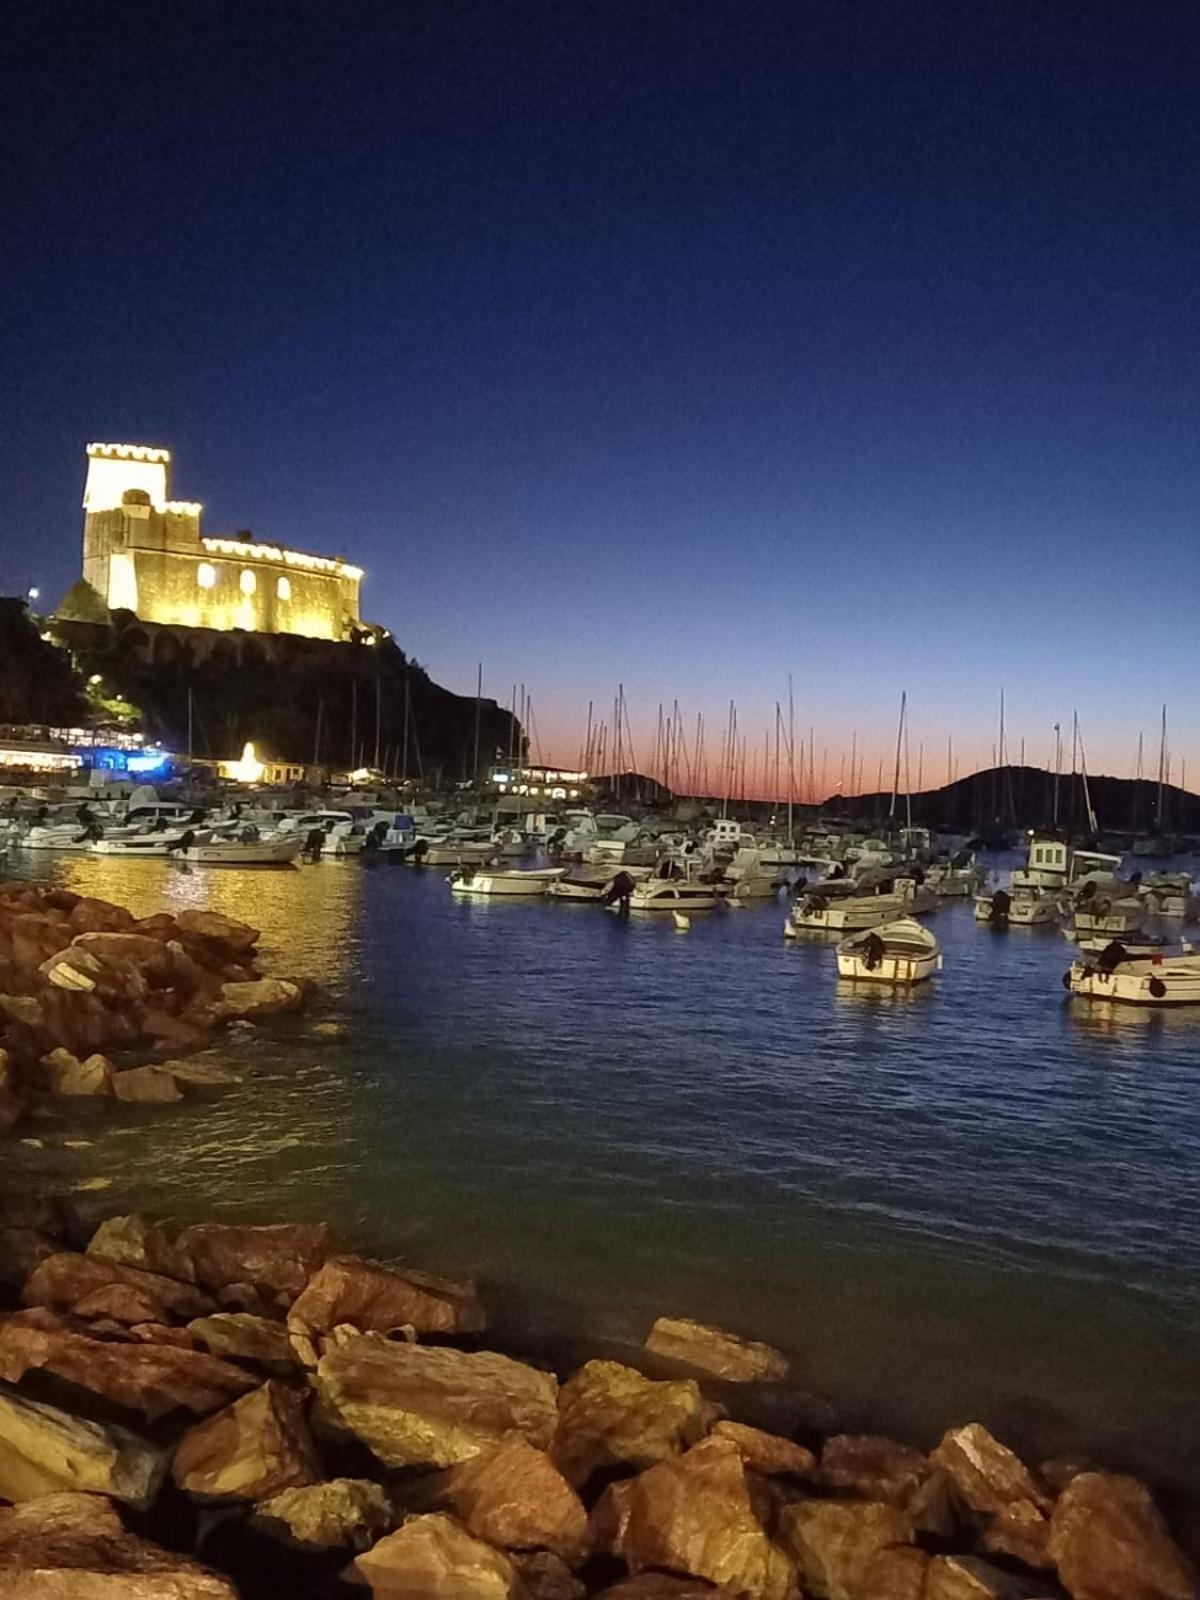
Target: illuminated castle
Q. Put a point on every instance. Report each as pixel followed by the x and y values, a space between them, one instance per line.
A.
pixel 143 552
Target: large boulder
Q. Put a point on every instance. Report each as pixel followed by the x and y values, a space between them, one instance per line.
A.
pixel 65 1281
pixel 147 1085
pixel 694 1514
pixel 277 1259
pixel 256 997
pixel 427 1406
pixel 137 1241
pixel 435 1558
pixel 377 1299
pixel 343 1513
pixel 872 1467
pixel 767 1452
pixel 985 1475
pixel 254 1449
pixel 152 1379
pixel 238 937
pixel 68 1077
pixel 73 1547
pixel 970 1578
pixel 45 1451
pixel 1110 1543
pixel 515 1497
pixel 545 1576
pixel 714 1351
pixel 836 1542
pixel 89 915
pixel 610 1415
pixel 241 1336
pixel 898 1572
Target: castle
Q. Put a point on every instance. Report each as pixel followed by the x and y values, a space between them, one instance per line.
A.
pixel 144 552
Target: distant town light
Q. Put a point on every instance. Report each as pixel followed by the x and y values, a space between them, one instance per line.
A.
pixel 249 769
pixel 34 593
pixel 95 679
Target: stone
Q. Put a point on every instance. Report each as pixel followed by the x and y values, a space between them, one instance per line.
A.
pixel 73 1547
pixel 372 1298
pixel 984 1474
pixel 200 1077
pixel 1019 1531
pixel 117 1303
pixel 239 936
pixel 969 1578
pixel 414 1405
pixel 259 997
pixel 252 1450
pixel 136 1241
pixel 89 915
pixel 515 1497
pixel 898 1572
pixel 44 1451
pixel 767 1452
pixel 150 1085
pixel 72 969
pixel 714 1351
pixel 1110 1543
pixel 277 1258
pixel 835 1542
pixel 663 1586
pixel 545 1577
pixel 22 1008
pixel 610 1416
pixel 160 1333
pixel 63 1280
pixel 152 1379
pixel 873 1467
pixel 21 1251
pixel 348 1513
pixel 693 1514
pixel 68 1077
pixel 434 1557
pixel 241 1336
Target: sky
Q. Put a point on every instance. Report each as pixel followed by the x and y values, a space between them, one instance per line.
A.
pixel 680 345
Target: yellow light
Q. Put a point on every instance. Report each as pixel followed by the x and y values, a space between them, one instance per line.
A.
pixel 249 769
pixel 129 452
pixel 206 575
pixel 283 588
pixel 247 582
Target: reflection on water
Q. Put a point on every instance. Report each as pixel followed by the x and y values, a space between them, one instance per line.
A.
pixel 862 992
pixel 977 1199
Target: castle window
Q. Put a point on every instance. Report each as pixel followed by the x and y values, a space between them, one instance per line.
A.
pixel 247 582
pixel 206 575
pixel 283 588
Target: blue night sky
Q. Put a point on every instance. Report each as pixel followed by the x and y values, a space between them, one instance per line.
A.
pixel 679 344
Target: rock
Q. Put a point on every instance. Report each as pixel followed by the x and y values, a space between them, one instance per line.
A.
pixel 767 1452
pixel 968 1578
pixel 160 1333
pixel 897 1573
pixel 88 915
pixel 876 1468
pixel 200 1077
pixel 712 1350
pixel 72 969
pixel 118 1303
pixel 252 1450
pixel 241 1336
pixel 662 1586
pixel 123 951
pixel 610 1415
pixel 1019 1531
pixel 259 997
pixel 153 1379
pixel 136 1241
pixel 21 1251
pixel 545 1577
pixel 1110 1543
pixel 240 937
pixel 434 1558
pixel 984 1474
pixel 63 1280
pixel 73 1547
pixel 67 1076
pixel 414 1405
pixel 277 1259
pixel 146 1084
pixel 515 1497
pixel 344 1512
pixel 22 1008
pixel 835 1543
pixel 373 1298
pixel 693 1514
pixel 45 1451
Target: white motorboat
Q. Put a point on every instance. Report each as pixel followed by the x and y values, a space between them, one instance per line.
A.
pixel 818 913
pixel 1170 895
pixel 165 842
pixel 280 851
pixel 1054 864
pixel 1022 908
pixel 750 877
pixel 1157 979
pixel 458 852
pixel 593 884
pixel 915 894
pixel 674 894
pixel 955 879
pixel 900 952
pixel 514 882
pixel 1097 913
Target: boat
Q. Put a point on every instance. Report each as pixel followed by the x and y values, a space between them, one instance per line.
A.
pixel 672 887
pixel 164 842
pixel 1101 911
pixel 593 885
pixel 900 952
pixel 852 913
pixel 954 879
pixel 1155 979
pixel 1022 908
pixel 1170 895
pixel 280 851
pixel 513 882
pixel 1054 864
pixel 750 877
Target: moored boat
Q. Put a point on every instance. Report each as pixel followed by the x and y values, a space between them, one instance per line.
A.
pixel 819 913
pixel 280 851
pixel 900 952
pixel 514 882
pixel 1154 979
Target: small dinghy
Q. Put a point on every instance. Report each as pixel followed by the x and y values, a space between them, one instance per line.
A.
pixel 900 952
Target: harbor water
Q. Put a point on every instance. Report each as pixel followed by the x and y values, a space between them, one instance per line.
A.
pixel 978 1200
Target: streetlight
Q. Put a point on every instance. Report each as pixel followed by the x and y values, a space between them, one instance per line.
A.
pixel 33 593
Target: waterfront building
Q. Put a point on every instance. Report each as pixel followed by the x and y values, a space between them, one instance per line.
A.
pixel 144 552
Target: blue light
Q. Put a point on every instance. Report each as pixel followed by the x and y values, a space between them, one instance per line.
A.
pixel 148 761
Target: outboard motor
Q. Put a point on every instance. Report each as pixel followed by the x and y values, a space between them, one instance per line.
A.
pixel 418 853
pixel 873 951
pixel 1001 906
pixel 313 844
pixel 1111 957
pixel 618 891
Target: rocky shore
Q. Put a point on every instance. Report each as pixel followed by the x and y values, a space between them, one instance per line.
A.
pixel 213 1411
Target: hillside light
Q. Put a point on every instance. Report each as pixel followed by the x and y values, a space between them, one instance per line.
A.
pixel 95 679
pixel 34 593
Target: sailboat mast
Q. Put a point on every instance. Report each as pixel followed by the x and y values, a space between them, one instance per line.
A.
pixel 1162 773
pixel 899 740
pixel 791 760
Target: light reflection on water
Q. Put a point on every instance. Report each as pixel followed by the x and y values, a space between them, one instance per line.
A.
pixel 979 1199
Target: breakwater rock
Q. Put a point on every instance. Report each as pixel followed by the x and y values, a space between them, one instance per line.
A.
pixel 96 1004
pixel 234 1412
